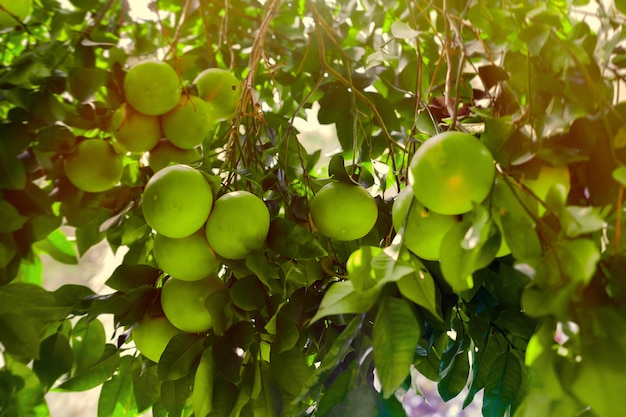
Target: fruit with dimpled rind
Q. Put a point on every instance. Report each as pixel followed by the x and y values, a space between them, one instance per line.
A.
pixel 423 230
pixel 94 166
pixel 187 124
pixel 165 153
pixel 450 172
pixel 189 258
pixel 152 87
pixel 238 224
pixel 152 335
pixel 343 211
pixel 220 89
pixel 177 201
pixel 19 8
pixel 183 302
pixel 135 131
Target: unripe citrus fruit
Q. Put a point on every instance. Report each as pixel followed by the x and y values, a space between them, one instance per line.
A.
pixel 187 124
pixel 152 87
pixel 451 171
pixel 540 177
pixel 152 335
pixel 343 211
pixel 220 89
pixel 19 8
pixel 238 224
pixel 177 201
pixel 183 302
pixel 165 153
pixel 135 131
pixel 94 166
pixel 188 258
pixel 423 230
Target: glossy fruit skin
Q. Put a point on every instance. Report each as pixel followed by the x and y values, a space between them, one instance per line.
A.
pixel 189 258
pixel 187 124
pixel 20 8
pixel 152 335
pixel 135 131
pixel 423 230
pixel 220 89
pixel 451 171
pixel 94 166
pixel 183 302
pixel 238 224
pixel 165 153
pixel 177 201
pixel 343 211
pixel 152 87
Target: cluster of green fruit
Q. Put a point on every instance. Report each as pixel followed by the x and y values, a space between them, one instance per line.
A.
pixel 451 173
pixel 192 229
pixel 159 119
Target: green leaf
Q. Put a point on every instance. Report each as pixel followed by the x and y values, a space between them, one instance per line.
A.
pixel 287 333
pixel 578 221
pixel 96 374
pixel 146 384
pixel 88 342
pixel 291 371
pixel 360 401
pixel 8 249
pixel 335 394
pixel 402 30
pixel 503 384
pixel 55 359
pixel 116 395
pixel 258 264
pixel 174 395
pixel 337 170
pixel 127 277
pixel 483 361
pixel 454 377
pixel 420 288
pixel 202 395
pixel 335 354
pixel 179 356
pixel 394 339
pixel 342 298
pixel 57 246
pixel 248 294
pixel 619 173
pixel 291 240
pixel 577 259
pixel 28 396
pixel 12 220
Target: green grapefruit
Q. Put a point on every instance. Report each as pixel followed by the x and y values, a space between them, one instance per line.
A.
pixel 152 87
pixel 94 166
pixel 238 224
pixel 177 201
pixel 343 211
pixel 165 153
pixel 450 172
pixel 135 131
pixel 423 230
pixel 187 124
pixel 539 177
pixel 152 335
pixel 183 302
pixel 220 89
pixel 189 258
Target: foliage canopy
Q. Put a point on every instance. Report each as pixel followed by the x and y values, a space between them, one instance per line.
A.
pixel 539 327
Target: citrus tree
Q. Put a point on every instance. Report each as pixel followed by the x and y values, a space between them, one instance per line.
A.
pixel 464 225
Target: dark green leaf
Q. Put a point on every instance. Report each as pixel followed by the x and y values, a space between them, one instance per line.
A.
pixel 179 356
pixel 248 294
pixel 291 371
pixel 503 384
pixel 116 396
pixel 96 374
pixel 127 277
pixel 146 385
pixel 394 339
pixel 454 378
pixel 88 342
pixel 293 241
pixel 202 396
pixel 12 220
pixel 55 359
